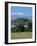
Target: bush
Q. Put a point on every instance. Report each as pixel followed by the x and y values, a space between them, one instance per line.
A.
pixel 13 30
pixel 30 28
pixel 20 28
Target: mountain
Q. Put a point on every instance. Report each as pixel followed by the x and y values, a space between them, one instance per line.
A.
pixel 13 17
pixel 20 20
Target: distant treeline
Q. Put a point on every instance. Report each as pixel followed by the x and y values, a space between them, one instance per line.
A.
pixel 22 29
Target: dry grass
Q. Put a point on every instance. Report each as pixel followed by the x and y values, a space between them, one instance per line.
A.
pixel 21 35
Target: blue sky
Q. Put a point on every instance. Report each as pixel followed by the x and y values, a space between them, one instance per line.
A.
pixel 21 12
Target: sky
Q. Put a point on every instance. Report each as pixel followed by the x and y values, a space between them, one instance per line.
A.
pixel 21 12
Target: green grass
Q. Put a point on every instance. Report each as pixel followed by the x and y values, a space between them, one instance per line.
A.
pixel 21 35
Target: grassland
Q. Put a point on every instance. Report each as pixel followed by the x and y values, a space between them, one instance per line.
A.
pixel 21 35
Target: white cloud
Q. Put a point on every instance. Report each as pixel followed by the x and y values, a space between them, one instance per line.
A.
pixel 18 13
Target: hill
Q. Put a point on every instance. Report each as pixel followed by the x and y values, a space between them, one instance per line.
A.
pixel 20 20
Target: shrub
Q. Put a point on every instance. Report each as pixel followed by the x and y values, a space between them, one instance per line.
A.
pixel 13 30
pixel 30 28
pixel 20 28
